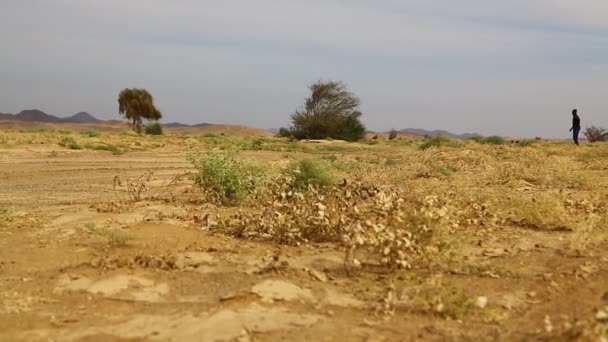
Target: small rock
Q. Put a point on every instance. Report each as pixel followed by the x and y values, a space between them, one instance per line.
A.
pixel 494 252
pixel 532 294
pixel 228 297
pixel 481 302
pixel 602 315
pixel 548 325
pixel 320 276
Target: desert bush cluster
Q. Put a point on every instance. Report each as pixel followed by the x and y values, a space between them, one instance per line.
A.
pixel 399 211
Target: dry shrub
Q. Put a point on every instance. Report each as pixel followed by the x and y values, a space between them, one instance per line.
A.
pixel 114 237
pixel 136 188
pixel 544 211
pixel 390 225
pixel 144 187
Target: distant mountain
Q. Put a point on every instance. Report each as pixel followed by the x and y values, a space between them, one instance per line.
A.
pixel 36 115
pixel 180 125
pixel 6 116
pixel 424 132
pixel 82 117
pixel 175 125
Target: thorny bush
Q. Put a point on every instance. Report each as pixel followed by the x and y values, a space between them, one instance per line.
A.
pixel 390 225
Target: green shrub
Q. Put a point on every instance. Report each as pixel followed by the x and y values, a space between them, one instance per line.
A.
pixel 392 134
pixel 330 158
pixel 491 140
pixel 257 144
pixel 442 169
pixel 153 129
pixel 111 148
pixel 309 172
pixel 89 133
pixel 435 142
pixel 284 133
pixel 114 237
pixel 70 143
pixel 494 140
pixel 226 177
pixel 390 161
pixel 477 138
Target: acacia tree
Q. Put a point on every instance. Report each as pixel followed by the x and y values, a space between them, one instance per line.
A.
pixel 594 134
pixel 137 104
pixel 331 111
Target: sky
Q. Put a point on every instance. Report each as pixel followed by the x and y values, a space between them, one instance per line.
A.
pixel 513 68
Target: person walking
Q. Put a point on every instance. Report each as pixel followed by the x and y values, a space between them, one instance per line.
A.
pixel 576 126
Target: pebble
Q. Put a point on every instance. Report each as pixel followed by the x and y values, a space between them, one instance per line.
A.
pixel 320 276
pixel 481 302
pixel 602 315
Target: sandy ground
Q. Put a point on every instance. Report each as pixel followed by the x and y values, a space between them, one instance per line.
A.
pixel 177 282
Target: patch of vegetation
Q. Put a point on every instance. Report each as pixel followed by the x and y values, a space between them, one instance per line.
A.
pixel 543 211
pixel 6 216
pixel 284 133
pixel 494 140
pixel 477 138
pixel 331 111
pixel 137 104
pixel 225 177
pixel 435 142
pixel 153 129
pixel 595 134
pixel 527 142
pixel 108 147
pixel 333 148
pixel 392 134
pixel 371 141
pixel 258 144
pixel 89 133
pixel 332 158
pixel 70 143
pixel 454 304
pixel 114 237
pixel 491 140
pixel 442 169
pixel 390 162
pixel 309 172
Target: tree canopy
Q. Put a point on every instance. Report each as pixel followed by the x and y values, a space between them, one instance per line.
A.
pixel 137 104
pixel 331 111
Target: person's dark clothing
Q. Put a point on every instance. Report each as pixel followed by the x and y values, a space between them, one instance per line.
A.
pixel 576 128
pixel 575 132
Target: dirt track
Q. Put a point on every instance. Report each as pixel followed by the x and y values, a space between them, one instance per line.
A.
pixel 177 282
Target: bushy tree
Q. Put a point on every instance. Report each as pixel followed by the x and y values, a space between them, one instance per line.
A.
pixel 153 129
pixel 137 104
pixel 331 111
pixel 392 134
pixel 594 134
pixel 284 133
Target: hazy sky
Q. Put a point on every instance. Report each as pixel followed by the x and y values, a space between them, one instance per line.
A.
pixel 511 67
